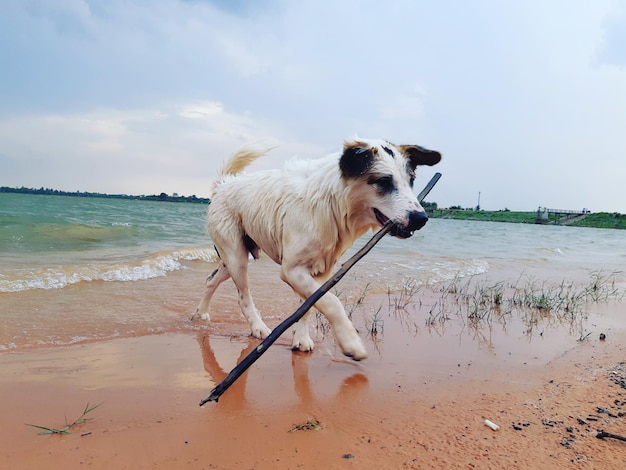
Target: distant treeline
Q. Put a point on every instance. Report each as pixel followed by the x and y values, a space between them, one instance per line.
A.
pixel 55 192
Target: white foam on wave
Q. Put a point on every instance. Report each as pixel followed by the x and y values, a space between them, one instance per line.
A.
pixel 59 277
pixel 446 270
pixel 199 254
pixel 393 275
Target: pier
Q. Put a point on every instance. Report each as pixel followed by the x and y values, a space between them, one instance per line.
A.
pixel 547 216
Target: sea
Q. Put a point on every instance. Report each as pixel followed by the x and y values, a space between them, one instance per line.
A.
pixel 81 269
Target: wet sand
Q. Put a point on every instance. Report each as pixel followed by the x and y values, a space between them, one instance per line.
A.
pixel 419 401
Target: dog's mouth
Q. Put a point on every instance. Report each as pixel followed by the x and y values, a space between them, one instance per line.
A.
pixel 396 229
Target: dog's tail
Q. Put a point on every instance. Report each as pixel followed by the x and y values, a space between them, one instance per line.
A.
pixel 236 163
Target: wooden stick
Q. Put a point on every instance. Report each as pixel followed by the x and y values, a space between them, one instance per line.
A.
pixel 247 361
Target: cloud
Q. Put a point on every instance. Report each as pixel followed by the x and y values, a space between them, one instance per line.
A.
pixel 524 99
pixel 171 149
pixel 202 110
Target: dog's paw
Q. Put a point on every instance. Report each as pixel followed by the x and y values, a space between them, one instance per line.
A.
pixel 302 343
pixel 352 347
pixel 260 331
pixel 355 352
pixel 205 316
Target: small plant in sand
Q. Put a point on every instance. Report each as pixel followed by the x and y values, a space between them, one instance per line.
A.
pixel 437 314
pixel 535 302
pixel 398 302
pixel 311 424
pixel 477 302
pixel 376 324
pixel 457 285
pixel 602 287
pixel 583 335
pixel 352 306
pixel 321 323
pixel 66 429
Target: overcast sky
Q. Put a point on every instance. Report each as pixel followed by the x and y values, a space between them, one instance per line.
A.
pixel 526 100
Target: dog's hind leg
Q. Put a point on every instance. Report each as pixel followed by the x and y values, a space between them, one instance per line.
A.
pixel 212 283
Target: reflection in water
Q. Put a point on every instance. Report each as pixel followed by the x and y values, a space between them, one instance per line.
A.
pixel 413 337
pixel 350 387
pixel 235 397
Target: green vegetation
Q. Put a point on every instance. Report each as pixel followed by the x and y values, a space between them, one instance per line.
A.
pixel 534 302
pixel 478 304
pixel 596 220
pixel 490 216
pixel 163 197
pixel 66 429
pixel 602 220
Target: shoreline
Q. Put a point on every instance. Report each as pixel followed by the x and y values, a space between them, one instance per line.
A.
pixel 162 197
pixel 603 220
pixel 600 219
pixel 401 407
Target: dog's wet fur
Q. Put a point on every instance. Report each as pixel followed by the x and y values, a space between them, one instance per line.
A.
pixel 305 217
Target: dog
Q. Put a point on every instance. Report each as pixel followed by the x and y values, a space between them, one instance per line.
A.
pixel 305 217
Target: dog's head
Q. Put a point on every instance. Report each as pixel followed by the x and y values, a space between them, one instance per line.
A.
pixel 381 176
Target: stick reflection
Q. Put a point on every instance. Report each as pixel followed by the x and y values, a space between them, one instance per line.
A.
pixel 235 397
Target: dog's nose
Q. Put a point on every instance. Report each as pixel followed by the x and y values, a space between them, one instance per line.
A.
pixel 417 219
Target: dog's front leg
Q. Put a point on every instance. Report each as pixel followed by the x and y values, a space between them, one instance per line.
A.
pixel 347 337
pixel 301 335
pixel 237 264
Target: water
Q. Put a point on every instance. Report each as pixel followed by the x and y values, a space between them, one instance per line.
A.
pixel 84 269
pixel 50 242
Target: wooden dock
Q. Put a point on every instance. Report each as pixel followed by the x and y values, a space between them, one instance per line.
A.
pixel 549 216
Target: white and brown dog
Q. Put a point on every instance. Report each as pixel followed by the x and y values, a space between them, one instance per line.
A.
pixel 305 217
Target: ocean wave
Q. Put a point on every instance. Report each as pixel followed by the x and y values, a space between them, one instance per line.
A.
pixel 46 237
pixel 58 277
pixel 393 274
pixel 10 346
pixel 446 270
pixel 196 254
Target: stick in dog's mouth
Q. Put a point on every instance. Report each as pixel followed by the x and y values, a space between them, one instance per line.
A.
pixel 382 218
pixel 416 222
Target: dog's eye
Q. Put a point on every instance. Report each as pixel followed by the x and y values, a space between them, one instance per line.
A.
pixel 384 184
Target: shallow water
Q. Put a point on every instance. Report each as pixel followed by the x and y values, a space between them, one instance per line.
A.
pixel 76 270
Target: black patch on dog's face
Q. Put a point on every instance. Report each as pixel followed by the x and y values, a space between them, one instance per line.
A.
pixel 356 160
pixel 410 170
pixel 389 151
pixel 419 155
pixel 383 184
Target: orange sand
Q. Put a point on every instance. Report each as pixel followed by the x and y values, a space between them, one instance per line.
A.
pixel 393 411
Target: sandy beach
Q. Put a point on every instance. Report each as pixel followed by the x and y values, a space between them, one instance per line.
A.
pixel 99 313
pixel 401 408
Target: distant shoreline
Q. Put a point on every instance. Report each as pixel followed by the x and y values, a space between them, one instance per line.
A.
pixel 613 220
pixel 594 220
pixel 163 197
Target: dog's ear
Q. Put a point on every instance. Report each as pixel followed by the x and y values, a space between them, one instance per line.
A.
pixel 419 155
pixel 357 159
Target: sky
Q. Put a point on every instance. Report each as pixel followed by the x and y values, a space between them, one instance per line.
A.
pixel 526 101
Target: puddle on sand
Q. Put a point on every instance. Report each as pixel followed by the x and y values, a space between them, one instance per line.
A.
pixel 426 343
